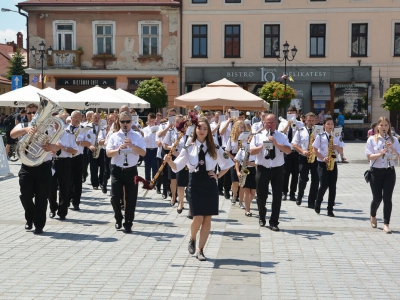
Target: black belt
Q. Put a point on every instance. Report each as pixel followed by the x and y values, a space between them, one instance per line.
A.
pixel 125 169
pixel 384 169
pixel 61 158
pixel 261 166
pixel 151 148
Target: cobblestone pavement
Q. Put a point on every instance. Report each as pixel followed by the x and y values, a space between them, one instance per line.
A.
pixel 312 257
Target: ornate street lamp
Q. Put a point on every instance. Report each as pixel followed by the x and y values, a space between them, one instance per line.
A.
pixel 41 53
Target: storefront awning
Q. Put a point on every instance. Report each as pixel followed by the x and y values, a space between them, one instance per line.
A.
pixel 321 91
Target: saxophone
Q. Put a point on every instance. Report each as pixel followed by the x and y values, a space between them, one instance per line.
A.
pixel 331 154
pixel 245 171
pixel 96 152
pixel 311 156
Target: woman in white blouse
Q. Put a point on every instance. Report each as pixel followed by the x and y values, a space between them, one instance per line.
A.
pixel 382 150
pixel 201 157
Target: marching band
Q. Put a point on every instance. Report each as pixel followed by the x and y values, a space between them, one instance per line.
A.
pixel 218 154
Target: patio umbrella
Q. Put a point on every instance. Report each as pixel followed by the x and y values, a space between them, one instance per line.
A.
pixel 131 100
pixel 220 94
pixel 20 97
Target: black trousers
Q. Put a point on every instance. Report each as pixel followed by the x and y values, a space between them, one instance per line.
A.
pixel 61 180
pixel 35 182
pixel 121 179
pixel 227 183
pixel 85 162
pixel 382 185
pixel 76 181
pixel 163 178
pixel 304 169
pixel 107 170
pixel 150 163
pixel 291 168
pixel 263 177
pixel 96 168
pixel 327 179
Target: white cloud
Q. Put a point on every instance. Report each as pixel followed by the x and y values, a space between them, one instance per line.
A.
pixel 9 35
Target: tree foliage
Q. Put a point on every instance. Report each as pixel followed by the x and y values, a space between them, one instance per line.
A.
pixel 392 98
pixel 16 67
pixel 154 92
pixel 275 90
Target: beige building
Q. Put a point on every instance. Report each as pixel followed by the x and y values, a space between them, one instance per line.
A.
pixel 348 50
pixel 108 43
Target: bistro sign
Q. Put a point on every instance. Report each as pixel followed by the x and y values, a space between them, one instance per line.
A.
pixel 86 82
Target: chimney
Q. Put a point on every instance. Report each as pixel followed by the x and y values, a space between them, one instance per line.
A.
pixel 20 40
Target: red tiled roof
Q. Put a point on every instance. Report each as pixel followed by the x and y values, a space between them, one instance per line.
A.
pixel 4 80
pixel 97 2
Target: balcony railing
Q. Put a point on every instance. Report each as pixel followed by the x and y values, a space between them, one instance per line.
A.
pixel 65 58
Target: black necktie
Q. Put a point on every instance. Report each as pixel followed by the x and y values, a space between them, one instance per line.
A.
pixel 272 151
pixel 58 152
pixel 290 134
pixel 309 131
pixel 94 129
pixel 218 138
pixel 202 159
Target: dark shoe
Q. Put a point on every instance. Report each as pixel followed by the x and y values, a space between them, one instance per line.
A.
pixel 38 231
pixel 172 203
pixel 95 187
pixel 179 210
pixel 330 214
pixel 28 225
pixel 221 193
pixel 100 185
pixel 261 222
pixel 292 198
pixel 248 214
pixel 298 202
pixel 62 218
pixel 317 209
pixel 312 206
pixel 52 214
pixel 192 246
pixel 118 225
pixel 284 197
pixel 164 196
pixel 274 228
pixel 170 194
pixel 269 193
pixel 104 190
pixel 128 227
pixel 189 217
pixel 200 255
pixel 227 195
pixel 76 207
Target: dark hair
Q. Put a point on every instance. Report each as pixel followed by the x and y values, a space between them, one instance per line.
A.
pixel 328 119
pixel 151 115
pixel 292 108
pixel 241 113
pixel 209 138
pixel 22 111
pixel 32 105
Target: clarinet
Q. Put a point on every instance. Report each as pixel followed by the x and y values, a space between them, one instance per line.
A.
pixel 125 154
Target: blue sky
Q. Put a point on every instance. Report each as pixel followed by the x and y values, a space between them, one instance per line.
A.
pixel 11 22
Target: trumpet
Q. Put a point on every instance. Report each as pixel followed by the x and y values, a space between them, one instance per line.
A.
pixel 125 154
pixel 293 124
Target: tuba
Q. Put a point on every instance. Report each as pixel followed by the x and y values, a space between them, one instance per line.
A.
pixel 29 148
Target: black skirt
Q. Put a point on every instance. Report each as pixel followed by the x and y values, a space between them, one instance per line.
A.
pixel 171 174
pixel 182 177
pixel 234 176
pixel 202 194
pixel 251 179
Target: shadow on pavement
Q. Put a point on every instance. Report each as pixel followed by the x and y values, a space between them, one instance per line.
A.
pixel 168 224
pixel 148 211
pixel 225 263
pixel 158 236
pixel 308 234
pixel 78 237
pixel 85 222
pixel 236 236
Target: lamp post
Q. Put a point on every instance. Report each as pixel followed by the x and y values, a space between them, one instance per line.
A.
pixel 41 51
pixel 285 58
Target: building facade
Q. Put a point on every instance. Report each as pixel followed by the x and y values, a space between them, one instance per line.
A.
pixel 107 43
pixel 348 50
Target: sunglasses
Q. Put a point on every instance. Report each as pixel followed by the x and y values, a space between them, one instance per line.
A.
pixel 31 113
pixel 125 121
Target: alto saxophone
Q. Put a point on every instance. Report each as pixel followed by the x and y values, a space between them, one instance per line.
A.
pixel 331 154
pixel 311 155
pixel 245 171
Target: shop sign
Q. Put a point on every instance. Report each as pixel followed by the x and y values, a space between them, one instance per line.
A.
pixel 85 82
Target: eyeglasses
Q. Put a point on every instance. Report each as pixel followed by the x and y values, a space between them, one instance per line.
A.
pixel 31 113
pixel 125 121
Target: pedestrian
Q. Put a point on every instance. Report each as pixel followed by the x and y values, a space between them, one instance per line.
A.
pixel 149 135
pixel 321 117
pixel 256 118
pixel 96 153
pixel 371 131
pixel 201 156
pixel 382 151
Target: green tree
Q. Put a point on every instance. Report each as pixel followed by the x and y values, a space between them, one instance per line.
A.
pixel 16 67
pixel 154 92
pixel 275 90
pixel 392 98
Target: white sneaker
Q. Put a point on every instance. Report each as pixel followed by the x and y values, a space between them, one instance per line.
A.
pixel 241 206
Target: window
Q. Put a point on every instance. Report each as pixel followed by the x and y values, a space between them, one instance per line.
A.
pixel 104 39
pixel 397 39
pixel 359 39
pixel 64 35
pixel 317 40
pixel 150 37
pixel 232 40
pixel 199 1
pixel 199 41
pixel 271 39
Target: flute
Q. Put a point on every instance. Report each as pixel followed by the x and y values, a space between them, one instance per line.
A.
pixel 125 154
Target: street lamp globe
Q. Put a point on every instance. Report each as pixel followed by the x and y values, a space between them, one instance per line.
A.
pixel 33 51
pixel 41 46
pixel 277 52
pixel 49 51
pixel 294 51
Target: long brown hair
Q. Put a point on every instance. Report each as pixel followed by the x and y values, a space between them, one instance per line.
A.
pixel 236 130
pixel 211 149
pixel 381 119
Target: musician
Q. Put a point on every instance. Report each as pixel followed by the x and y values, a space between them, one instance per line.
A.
pixel 249 188
pixel 259 125
pixel 215 130
pixel 96 164
pixel 231 149
pixel 225 129
pixel 124 148
pixel 35 181
pixel 149 135
pixel 107 160
pixel 201 157
pixel 77 160
pixel 327 179
pixel 163 178
pixel 382 150
pixel 270 169
pixel 291 159
pixel 61 179
pixel 302 144
pixel 89 116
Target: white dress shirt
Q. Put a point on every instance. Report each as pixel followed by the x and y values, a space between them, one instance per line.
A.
pixel 373 147
pixel 190 157
pixel 91 136
pixel 226 135
pixel 279 159
pixel 81 137
pixel 161 127
pixel 172 136
pixel 240 157
pixel 301 138
pixel 67 140
pixel 322 143
pixel 117 139
pixel 256 127
pixel 232 146
pixel 213 125
pixel 149 137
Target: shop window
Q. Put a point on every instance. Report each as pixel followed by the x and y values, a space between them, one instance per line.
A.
pixel 317 40
pixel 352 100
pixel 232 41
pixel 199 41
pixel 271 39
pixel 397 39
pixel 359 39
